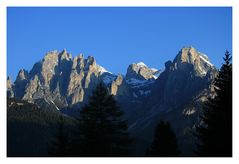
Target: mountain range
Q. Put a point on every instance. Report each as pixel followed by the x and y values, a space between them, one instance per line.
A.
pixel 60 82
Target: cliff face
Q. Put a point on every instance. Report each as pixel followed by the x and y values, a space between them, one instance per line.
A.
pixel 62 79
pixel 190 73
pixel 68 82
pixel 10 92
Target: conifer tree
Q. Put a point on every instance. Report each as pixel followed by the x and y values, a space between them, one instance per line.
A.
pixel 58 146
pixel 103 132
pixel 164 143
pixel 215 132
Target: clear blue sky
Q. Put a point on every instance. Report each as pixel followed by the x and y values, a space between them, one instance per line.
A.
pixel 116 37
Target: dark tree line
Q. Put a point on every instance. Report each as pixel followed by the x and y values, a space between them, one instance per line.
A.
pixel 59 146
pixel 101 130
pixel 215 132
pixel 164 143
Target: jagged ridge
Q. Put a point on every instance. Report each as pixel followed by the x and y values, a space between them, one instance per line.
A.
pixel 68 81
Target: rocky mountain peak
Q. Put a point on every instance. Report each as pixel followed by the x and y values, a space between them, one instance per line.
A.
pixel 68 81
pixel 188 74
pixel 65 55
pixel 141 64
pixel 10 92
pixel 189 59
pixel 20 83
pixel 91 60
pixel 186 55
pixel 81 56
pixel 9 83
pixel 62 79
pixel 47 66
pixel 78 62
pixel 139 71
pixel 90 64
pixel 51 55
pixel 8 78
pixel 22 75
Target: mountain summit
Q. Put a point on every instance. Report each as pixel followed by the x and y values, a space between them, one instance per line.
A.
pixel 140 71
pixel 190 58
pixel 60 78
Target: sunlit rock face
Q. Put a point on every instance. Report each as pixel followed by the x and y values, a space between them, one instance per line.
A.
pixel 62 79
pixel 68 81
pixel 10 92
pixel 189 59
pixel 188 74
pixel 139 71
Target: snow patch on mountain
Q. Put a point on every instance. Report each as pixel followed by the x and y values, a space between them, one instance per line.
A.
pixel 102 69
pixel 154 69
pixel 205 59
pixel 156 74
pixel 135 83
pixel 54 105
pixel 141 64
pixel 203 72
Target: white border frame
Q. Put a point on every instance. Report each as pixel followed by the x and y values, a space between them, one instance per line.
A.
pixel 162 3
